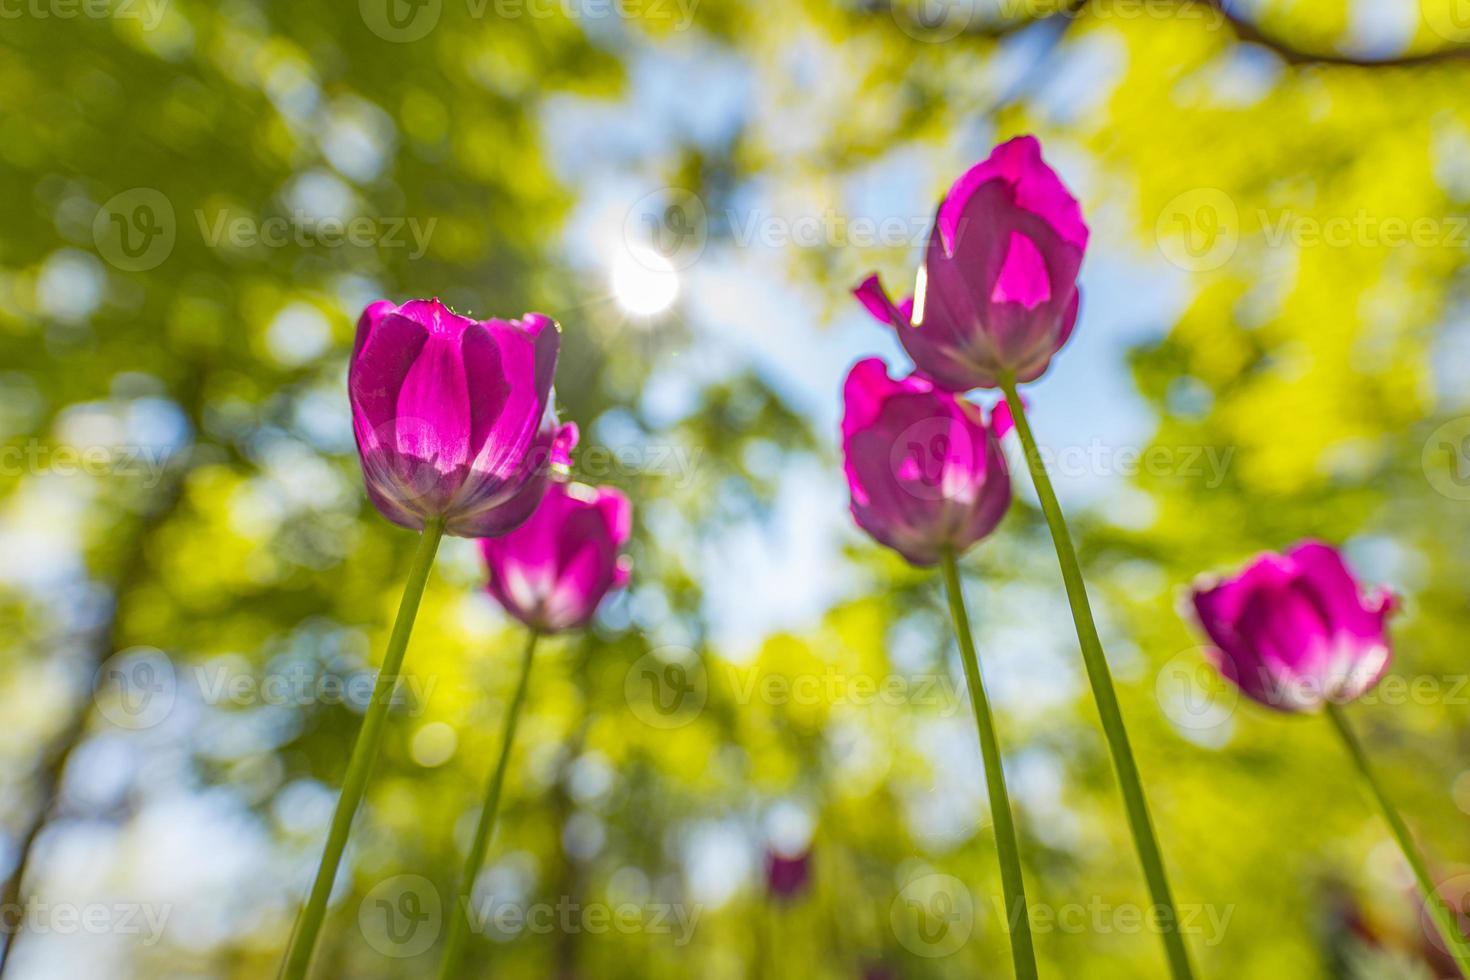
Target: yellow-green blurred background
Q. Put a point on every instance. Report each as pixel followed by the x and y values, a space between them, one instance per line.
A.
pixel 196 200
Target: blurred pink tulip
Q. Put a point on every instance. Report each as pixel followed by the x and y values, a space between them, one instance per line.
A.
pixel 1295 630
pixel 553 570
pixel 453 417
pixel 997 291
pixel 925 472
pixel 787 876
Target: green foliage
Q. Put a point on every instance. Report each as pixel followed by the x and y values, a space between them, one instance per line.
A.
pixel 1322 370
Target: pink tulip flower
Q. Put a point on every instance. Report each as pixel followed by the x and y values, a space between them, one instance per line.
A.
pixel 925 472
pixel 997 292
pixel 552 571
pixel 453 417
pixel 1293 631
pixel 788 876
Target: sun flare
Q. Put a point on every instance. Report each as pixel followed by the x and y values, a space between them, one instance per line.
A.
pixel 644 283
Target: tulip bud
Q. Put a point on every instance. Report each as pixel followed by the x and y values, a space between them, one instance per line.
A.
pixel 553 570
pixel 997 291
pixel 453 417
pixel 787 875
pixel 1293 631
pixel 925 472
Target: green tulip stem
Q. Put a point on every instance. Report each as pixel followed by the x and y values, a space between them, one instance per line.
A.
pixel 1442 915
pixel 1104 695
pixel 364 754
pixel 459 916
pixel 1013 887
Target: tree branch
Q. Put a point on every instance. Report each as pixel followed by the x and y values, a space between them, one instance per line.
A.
pixel 1246 32
pixel 1291 53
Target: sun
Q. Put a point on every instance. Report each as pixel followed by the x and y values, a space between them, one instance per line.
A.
pixel 644 283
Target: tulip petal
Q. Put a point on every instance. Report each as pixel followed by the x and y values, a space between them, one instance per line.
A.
pixel 1332 585
pixel 1069 319
pixel 513 364
pixel 435 317
pixel 1293 630
pixel 623 573
pixel 617 513
pixel 564 442
pixel 371 317
pixel 924 472
pixel 1018 165
pixel 446 412
pixel 488 375
pixel 1001 420
pixel 867 387
pixel 511 369
pixel 498 514
pixel 997 291
pixel 434 407
pixel 375 377
pixel 554 570
pixel 502 506
pixel 875 300
pixel 1023 277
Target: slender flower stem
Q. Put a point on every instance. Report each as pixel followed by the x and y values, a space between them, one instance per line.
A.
pixel 1018 919
pixel 1103 694
pixel 364 754
pixel 1443 916
pixel 459 918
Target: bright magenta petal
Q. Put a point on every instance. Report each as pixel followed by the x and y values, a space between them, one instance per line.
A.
pixel 924 472
pixel 997 292
pixel 447 413
pixel 553 571
pixel 1294 630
